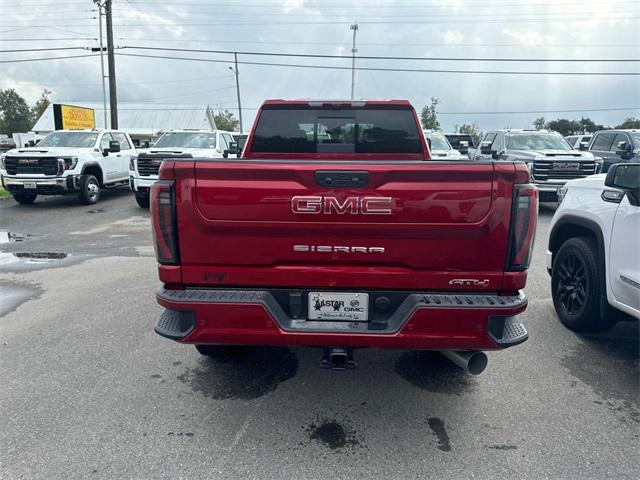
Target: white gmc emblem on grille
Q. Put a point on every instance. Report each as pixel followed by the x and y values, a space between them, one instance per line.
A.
pixel 28 161
pixel 316 204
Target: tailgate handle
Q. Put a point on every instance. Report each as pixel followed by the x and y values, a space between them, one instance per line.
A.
pixel 341 178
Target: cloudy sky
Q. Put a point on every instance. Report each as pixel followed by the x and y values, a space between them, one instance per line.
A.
pixel 471 29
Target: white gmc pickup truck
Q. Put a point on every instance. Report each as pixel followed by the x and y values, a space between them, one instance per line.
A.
pixel 144 166
pixel 67 162
pixel 593 253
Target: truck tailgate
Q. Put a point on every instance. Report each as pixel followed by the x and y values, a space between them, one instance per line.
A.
pixel 284 223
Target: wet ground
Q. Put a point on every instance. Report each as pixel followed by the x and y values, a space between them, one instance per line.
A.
pixel 89 391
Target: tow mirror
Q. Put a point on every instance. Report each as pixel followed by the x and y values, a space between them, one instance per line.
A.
pixel 485 148
pixel 584 146
pixel 623 149
pixel 114 146
pixel 429 143
pixel 463 147
pixel 232 150
pixel 625 177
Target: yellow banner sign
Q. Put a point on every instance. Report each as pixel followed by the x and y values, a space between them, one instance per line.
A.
pixel 69 117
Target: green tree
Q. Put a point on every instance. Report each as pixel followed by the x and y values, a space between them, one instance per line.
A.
pixel 41 105
pixel 564 126
pixel 630 122
pixel 539 123
pixel 473 130
pixel 429 115
pixel 15 115
pixel 226 121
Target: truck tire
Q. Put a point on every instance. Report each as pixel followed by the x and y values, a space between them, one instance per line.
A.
pixel 89 189
pixel 577 286
pixel 142 200
pixel 221 352
pixel 25 198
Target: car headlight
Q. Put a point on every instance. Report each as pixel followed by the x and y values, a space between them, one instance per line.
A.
pixel 599 163
pixel 2 167
pixel 132 162
pixel 69 162
pixel 562 192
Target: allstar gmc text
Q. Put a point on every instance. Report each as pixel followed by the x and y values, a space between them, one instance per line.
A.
pixel 336 229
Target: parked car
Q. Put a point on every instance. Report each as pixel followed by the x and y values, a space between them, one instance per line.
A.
pixel 6 143
pixel 579 142
pixel 593 253
pixel 143 168
pixel 615 146
pixel 336 230
pixel 457 141
pixel 550 159
pixel 440 147
pixel 79 162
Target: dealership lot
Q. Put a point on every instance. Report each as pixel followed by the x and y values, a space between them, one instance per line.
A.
pixel 89 390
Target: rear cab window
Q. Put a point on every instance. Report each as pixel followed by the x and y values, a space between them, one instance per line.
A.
pixel 310 130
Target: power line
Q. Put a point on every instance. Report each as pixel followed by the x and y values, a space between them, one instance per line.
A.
pixel 383 69
pixel 385 44
pixel 21 50
pixel 184 80
pixel 24 60
pixel 544 111
pixel 378 57
pixel 581 19
pixel 16 40
pixel 341 6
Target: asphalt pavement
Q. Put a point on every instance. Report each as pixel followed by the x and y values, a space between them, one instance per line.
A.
pixel 88 390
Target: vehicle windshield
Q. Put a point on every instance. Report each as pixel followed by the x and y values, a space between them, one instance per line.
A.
pixel 187 140
pixel 536 141
pixel 438 141
pixel 636 136
pixel 69 139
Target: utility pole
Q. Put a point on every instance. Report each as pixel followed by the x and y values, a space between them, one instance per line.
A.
pixel 235 70
pixel 104 88
pixel 353 27
pixel 113 98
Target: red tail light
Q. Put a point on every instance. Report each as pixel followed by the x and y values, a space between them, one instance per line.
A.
pixel 164 222
pixel 524 217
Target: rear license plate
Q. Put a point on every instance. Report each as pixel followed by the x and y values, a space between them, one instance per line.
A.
pixel 29 185
pixel 352 307
pixel 566 166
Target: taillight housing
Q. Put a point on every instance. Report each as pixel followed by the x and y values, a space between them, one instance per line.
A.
pixel 522 231
pixel 164 222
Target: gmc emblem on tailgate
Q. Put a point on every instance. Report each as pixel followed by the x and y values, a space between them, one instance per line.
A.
pixel 315 204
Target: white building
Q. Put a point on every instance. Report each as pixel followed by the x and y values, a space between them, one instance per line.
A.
pixel 143 121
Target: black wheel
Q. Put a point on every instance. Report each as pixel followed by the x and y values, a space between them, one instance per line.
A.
pixel 142 200
pixel 577 286
pixel 25 198
pixel 89 189
pixel 221 352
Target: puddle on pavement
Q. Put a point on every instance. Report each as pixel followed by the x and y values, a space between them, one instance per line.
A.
pixel 11 237
pixel 30 257
pixel 245 375
pixel 12 296
pixel 332 434
pixel 440 432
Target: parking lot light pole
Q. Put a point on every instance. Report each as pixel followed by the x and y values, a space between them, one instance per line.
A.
pixel 104 88
pixel 235 70
pixel 353 27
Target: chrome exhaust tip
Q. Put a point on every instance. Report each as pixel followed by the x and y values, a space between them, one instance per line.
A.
pixel 472 362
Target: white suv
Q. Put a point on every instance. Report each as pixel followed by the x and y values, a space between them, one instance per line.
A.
pixel 66 162
pixel 593 254
pixel 144 167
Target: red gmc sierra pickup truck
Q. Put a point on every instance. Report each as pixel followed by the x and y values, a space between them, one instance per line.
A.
pixel 336 229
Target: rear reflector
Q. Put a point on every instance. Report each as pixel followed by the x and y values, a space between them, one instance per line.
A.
pixel 524 218
pixel 163 215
